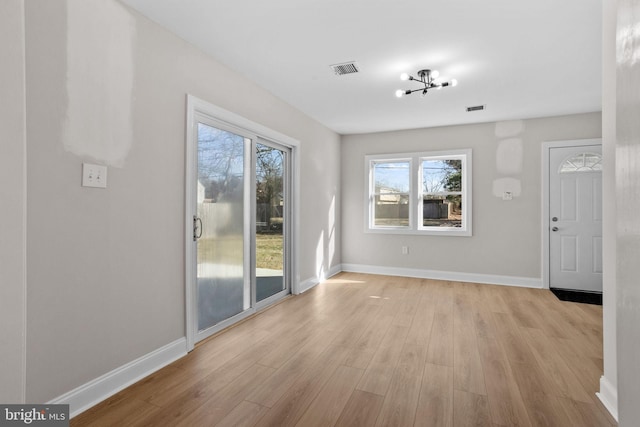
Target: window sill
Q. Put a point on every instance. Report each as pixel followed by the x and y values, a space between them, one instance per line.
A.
pixel 442 231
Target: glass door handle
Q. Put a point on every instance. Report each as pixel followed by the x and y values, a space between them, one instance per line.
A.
pixel 197 228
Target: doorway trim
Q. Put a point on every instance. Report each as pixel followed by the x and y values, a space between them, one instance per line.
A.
pixel 198 106
pixel 546 147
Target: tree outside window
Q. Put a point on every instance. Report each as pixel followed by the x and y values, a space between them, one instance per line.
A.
pixel 419 193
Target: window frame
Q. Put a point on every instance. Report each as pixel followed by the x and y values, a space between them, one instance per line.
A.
pixel 416 193
pixel 371 194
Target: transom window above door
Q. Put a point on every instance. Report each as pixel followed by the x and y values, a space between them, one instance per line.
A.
pixel 419 193
pixel 583 162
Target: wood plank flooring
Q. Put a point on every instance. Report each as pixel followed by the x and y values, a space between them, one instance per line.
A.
pixel 365 350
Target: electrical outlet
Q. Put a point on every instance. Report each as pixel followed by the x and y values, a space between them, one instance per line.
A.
pixel 405 250
pixel 94 176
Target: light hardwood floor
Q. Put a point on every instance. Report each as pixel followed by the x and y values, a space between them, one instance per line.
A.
pixel 365 350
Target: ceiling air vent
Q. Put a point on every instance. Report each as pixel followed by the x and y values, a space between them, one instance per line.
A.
pixel 346 68
pixel 475 108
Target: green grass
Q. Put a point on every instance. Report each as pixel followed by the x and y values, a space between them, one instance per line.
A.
pixel 268 250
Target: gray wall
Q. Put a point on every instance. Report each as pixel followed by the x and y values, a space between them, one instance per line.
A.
pixel 608 383
pixel 506 237
pixel 12 197
pixel 106 269
pixel 628 198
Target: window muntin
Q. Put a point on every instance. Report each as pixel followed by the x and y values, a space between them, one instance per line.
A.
pixel 419 193
pixel 390 195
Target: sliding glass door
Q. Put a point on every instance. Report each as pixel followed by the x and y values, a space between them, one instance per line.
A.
pixel 271 219
pixel 223 288
pixel 241 232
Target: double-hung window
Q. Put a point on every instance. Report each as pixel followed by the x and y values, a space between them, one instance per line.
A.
pixel 419 193
pixel 390 192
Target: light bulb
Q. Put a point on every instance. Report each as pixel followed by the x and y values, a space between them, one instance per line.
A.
pixel 399 93
pixel 454 82
pixel 435 74
pixel 404 76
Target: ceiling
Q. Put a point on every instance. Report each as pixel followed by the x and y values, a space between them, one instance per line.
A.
pixel 521 59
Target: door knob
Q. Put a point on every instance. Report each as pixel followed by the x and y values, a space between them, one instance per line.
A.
pixel 554 229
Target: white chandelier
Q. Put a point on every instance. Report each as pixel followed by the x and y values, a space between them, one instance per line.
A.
pixel 427 79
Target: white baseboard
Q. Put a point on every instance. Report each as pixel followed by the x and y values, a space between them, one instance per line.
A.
pixel 334 270
pixel 99 389
pixel 608 395
pixel 525 282
pixel 305 285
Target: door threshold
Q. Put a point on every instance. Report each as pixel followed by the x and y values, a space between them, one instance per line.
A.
pixel 574 295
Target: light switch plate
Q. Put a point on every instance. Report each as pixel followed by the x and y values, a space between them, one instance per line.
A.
pixel 507 195
pixel 94 175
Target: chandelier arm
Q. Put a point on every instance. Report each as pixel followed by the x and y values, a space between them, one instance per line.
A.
pixel 434 86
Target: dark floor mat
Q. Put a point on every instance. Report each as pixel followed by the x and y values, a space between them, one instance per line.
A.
pixel 594 298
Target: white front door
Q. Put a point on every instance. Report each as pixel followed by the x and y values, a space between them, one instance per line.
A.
pixel 575 218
